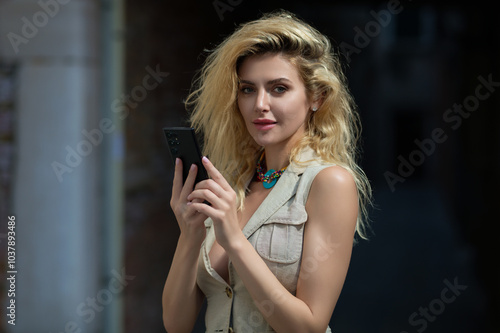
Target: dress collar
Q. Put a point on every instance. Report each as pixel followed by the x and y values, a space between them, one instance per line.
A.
pixel 285 188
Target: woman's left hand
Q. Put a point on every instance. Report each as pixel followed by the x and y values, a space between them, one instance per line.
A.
pixel 223 204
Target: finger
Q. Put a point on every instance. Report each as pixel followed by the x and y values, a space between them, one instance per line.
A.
pixel 189 184
pixel 203 209
pixel 210 184
pixel 215 174
pixel 201 195
pixel 192 210
pixel 195 200
pixel 177 182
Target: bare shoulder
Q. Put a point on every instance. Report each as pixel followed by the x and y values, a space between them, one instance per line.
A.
pixel 334 179
pixel 333 197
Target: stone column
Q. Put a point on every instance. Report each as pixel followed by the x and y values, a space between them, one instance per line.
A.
pixel 56 186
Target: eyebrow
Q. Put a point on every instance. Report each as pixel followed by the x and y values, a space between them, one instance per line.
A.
pixel 268 82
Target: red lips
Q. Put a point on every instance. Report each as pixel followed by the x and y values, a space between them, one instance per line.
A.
pixel 263 121
pixel 264 124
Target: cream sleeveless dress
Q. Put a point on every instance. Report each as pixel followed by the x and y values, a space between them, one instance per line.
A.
pixel 276 232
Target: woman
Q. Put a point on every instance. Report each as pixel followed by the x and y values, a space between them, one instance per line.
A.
pixel 271 250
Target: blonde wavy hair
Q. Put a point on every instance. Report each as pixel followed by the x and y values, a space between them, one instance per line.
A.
pixel 332 131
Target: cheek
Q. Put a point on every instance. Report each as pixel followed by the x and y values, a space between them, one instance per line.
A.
pixel 293 111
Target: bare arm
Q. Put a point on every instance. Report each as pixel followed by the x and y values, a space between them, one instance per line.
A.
pixel 332 207
pixel 182 298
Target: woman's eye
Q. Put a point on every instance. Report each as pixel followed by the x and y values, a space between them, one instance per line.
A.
pixel 246 90
pixel 280 89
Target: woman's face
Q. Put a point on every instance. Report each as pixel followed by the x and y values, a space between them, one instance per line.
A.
pixel 272 100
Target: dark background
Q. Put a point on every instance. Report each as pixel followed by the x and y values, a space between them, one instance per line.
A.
pixel 433 226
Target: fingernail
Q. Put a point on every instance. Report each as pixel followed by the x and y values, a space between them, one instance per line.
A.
pixel 193 166
pixel 205 159
pixel 177 160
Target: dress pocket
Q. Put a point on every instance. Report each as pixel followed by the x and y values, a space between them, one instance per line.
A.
pixel 281 243
pixel 280 238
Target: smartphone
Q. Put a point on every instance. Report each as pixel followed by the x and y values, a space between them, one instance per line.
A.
pixel 182 143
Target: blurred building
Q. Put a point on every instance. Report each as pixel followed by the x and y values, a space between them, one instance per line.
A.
pixel 61 150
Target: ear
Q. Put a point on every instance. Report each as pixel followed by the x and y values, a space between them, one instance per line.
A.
pixel 316 99
pixel 315 105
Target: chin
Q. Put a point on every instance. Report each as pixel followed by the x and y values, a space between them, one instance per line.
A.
pixel 263 141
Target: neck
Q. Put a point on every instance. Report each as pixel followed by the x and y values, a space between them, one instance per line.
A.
pixel 278 154
pixel 276 158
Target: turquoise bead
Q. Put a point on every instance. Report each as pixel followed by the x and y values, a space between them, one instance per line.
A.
pixel 271 182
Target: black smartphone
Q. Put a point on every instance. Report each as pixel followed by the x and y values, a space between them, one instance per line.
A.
pixel 182 144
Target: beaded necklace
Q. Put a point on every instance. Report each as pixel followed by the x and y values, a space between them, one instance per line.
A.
pixel 269 178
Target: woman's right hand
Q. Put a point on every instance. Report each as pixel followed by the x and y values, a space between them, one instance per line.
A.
pixel 191 222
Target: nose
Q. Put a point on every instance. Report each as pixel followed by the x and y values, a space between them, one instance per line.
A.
pixel 263 103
